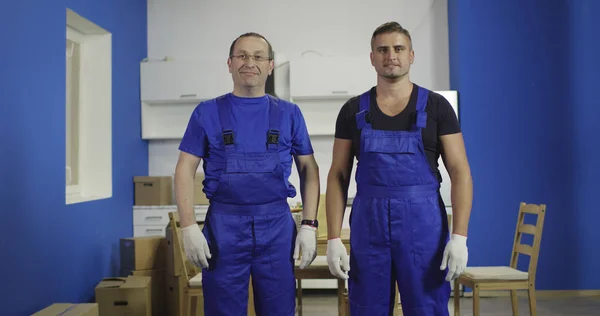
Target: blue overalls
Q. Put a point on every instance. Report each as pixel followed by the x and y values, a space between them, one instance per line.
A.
pixel 397 229
pixel 249 228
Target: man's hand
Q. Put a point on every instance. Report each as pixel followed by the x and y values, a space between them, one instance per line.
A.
pixel 456 256
pixel 336 252
pixel 307 241
pixel 195 245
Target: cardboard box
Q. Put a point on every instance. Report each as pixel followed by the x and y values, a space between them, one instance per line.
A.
pixel 199 195
pixel 130 296
pixel 158 289
pixel 153 190
pixel 143 253
pixel 66 309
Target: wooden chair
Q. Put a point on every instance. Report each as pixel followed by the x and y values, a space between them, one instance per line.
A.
pixel 193 288
pixel 508 277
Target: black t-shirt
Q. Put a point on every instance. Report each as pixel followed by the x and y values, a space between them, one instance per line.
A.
pixel 441 120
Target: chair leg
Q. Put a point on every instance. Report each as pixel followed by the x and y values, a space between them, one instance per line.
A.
pixel 188 306
pixel 346 305
pixel 299 297
pixel 476 300
pixel 183 309
pixel 395 311
pixel 532 301
pixel 456 298
pixel 514 301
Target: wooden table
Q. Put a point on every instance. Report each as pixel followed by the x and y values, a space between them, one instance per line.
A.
pixel 318 270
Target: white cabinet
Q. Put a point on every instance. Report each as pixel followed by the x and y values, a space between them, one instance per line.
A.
pixel 324 78
pixel 170 90
pixel 153 220
pixel 321 85
pixel 172 82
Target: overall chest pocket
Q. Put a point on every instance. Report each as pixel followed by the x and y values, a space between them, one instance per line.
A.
pixel 390 145
pixel 250 163
pixel 391 161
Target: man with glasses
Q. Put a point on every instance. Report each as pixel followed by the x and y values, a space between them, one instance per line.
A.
pixel 247 140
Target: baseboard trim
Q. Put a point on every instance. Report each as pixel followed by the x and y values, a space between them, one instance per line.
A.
pixel 539 293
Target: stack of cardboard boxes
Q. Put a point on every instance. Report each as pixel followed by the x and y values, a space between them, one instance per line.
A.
pixel 146 257
pixel 140 291
pixel 158 191
pixel 152 281
pixel 154 284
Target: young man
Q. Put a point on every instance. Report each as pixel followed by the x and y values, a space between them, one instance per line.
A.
pixel 247 139
pixel 398 224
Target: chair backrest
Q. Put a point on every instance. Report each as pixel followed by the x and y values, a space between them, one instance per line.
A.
pixel 322 217
pixel 177 246
pixel 535 230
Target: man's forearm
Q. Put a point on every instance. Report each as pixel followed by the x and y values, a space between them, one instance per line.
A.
pixel 184 195
pixel 462 199
pixel 310 190
pixel 337 194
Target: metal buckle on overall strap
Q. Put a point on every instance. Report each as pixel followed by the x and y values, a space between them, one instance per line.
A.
pixel 228 137
pixel 273 137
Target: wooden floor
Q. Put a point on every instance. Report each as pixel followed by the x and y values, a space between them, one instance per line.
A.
pixel 324 303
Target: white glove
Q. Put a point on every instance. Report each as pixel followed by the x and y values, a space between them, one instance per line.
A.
pixel 336 252
pixel 307 241
pixel 456 256
pixel 195 245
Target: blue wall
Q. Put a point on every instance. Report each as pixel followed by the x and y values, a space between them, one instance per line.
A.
pixel 584 77
pixel 52 252
pixel 527 75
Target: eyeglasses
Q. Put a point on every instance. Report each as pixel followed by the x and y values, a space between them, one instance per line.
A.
pixel 253 57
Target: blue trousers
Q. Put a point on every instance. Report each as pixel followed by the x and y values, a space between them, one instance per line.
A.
pixel 397 241
pixel 250 240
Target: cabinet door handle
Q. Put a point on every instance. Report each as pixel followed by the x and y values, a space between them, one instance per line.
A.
pixel 188 95
pixel 150 230
pixel 339 92
pixel 153 218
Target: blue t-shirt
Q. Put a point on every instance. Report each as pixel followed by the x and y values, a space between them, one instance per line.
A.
pixel 250 121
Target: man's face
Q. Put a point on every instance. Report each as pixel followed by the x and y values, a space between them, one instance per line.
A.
pixel 249 64
pixel 392 55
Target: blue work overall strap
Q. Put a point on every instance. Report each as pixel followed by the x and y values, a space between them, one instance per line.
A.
pixel 421 119
pixel 363 117
pixel 274 124
pixel 224 109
